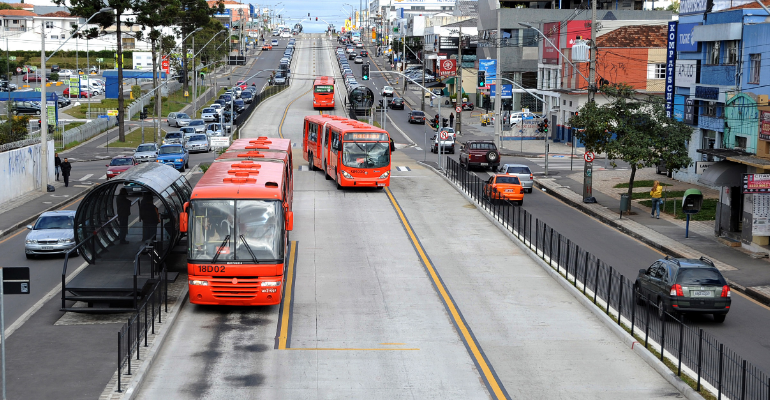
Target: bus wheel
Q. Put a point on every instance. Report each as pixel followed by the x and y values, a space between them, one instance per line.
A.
pixel 326 173
pixel 310 162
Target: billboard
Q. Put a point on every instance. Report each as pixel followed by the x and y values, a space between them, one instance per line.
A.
pixel 686 72
pixel 507 92
pixel 700 6
pixel 447 68
pixel 685 41
pixel 550 53
pixel 756 183
pixel 670 68
pixel 575 29
pixel 490 69
pixel 764 125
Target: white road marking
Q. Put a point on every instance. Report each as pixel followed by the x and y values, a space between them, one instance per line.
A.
pixel 103 177
pixel 403 168
pixel 85 177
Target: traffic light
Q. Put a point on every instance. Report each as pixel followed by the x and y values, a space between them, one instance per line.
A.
pixel 316 18
pixel 545 125
pixel 143 114
pixel 481 82
pixel 444 122
pixel 308 14
pixel 540 127
pixel 365 72
pixel 380 103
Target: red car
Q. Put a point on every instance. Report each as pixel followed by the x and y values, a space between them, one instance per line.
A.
pixel 242 84
pixel 31 78
pixel 267 46
pixel 119 165
pixel 66 93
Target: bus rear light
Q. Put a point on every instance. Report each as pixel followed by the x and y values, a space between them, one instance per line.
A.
pixel 385 175
pixel 271 284
pixel 199 283
pixel 347 175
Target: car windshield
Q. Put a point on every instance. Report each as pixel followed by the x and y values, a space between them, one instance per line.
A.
pixel 699 277
pixel 387 88
pixel 145 147
pixel 198 138
pixel 366 154
pixel 251 230
pixel 54 222
pixel 174 135
pixel 246 94
pixel 196 122
pixel 418 113
pixel 239 102
pixel 208 111
pixel 170 149
pixel 508 179
pixel 182 116
pixel 121 161
pixel 398 100
pixel 518 170
pixel 188 129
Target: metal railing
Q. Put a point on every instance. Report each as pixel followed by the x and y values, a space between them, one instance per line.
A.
pixel 87 131
pixel 687 350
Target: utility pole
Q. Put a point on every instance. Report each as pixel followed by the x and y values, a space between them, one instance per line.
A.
pixel 195 82
pixel 592 67
pixel 498 86
pixel 43 119
pixel 459 81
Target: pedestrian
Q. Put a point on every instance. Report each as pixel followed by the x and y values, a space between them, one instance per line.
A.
pixel 452 120
pixel 123 205
pixel 148 214
pixel 66 168
pixel 56 164
pixel 431 100
pixel 656 193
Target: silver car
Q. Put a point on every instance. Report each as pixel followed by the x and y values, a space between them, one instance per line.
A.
pixel 52 233
pixel 178 119
pixel 146 152
pixel 209 114
pixel 522 171
pixel 199 125
pixel 215 130
pixel 198 143
pixel 173 138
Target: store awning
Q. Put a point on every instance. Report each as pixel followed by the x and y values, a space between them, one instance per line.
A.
pixel 450 81
pixel 723 173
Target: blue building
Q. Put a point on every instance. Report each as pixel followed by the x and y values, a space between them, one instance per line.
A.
pixel 721 86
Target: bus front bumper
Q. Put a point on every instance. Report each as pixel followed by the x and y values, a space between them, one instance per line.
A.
pixel 235 292
pixel 357 181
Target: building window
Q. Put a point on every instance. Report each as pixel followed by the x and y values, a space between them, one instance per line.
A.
pixel 55 37
pixel 15 22
pixel 547 79
pixel 740 142
pixel 755 62
pixel 656 71
pixel 710 109
pixel 48 24
pixel 713 53
pixel 731 52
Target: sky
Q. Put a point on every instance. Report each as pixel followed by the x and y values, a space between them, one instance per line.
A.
pixel 331 11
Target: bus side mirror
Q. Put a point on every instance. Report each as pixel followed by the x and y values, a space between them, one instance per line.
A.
pixel 183 218
pixel 290 221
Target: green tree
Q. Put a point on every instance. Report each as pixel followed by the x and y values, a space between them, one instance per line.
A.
pixel 196 14
pixel 6 6
pixel 87 8
pixel 674 7
pixel 634 130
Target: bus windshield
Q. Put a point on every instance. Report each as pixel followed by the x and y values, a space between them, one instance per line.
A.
pixel 366 154
pixel 324 89
pixel 249 231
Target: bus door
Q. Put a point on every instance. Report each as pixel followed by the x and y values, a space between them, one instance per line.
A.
pixel 336 144
pixel 325 147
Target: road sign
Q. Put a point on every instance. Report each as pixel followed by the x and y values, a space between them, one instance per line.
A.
pixel 112 113
pixel 458 109
pixel 588 156
pixel 16 280
pixel 99 60
pixel 18 69
pixel 444 135
pixel 12 58
pixel 34 68
pixel 220 142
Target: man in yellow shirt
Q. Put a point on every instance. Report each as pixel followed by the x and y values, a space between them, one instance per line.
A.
pixel 656 193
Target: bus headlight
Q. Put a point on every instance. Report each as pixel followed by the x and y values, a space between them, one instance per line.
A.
pixel 199 283
pixel 385 175
pixel 271 283
pixel 347 175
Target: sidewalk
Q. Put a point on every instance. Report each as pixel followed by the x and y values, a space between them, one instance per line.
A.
pixel 744 273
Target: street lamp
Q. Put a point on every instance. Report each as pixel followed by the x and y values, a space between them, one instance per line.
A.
pixel 44 102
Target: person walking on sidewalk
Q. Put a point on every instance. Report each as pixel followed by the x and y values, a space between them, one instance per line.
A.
pixel 656 193
pixel 56 164
pixel 66 168
pixel 123 205
pixel 452 120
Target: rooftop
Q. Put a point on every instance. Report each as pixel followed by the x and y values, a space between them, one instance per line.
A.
pixel 643 36
pixel 17 13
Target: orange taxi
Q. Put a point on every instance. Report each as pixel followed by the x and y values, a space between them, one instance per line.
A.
pixel 504 187
pixel 267 46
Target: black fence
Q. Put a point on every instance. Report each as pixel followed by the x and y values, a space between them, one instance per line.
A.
pixel 260 97
pixel 142 324
pixel 687 350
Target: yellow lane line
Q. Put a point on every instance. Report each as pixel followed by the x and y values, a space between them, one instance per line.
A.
pixel 487 374
pixel 348 349
pixel 283 334
pixel 286 111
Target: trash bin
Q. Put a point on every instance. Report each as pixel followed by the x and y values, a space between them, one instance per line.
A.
pixel 624 203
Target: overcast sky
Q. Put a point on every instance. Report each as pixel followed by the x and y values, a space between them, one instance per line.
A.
pixel 331 11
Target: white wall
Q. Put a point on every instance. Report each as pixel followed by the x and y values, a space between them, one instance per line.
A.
pixel 20 170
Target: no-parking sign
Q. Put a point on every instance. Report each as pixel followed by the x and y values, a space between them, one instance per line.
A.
pixel 588 156
pixel 444 135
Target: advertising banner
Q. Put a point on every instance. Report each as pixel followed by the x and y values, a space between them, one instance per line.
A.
pixel 447 68
pixel 490 68
pixel 756 183
pixel 51 112
pixel 74 85
pixel 764 125
pixel 550 53
pixel 575 29
pixel 670 68
pixel 686 72
pixel 507 92
pixel 685 41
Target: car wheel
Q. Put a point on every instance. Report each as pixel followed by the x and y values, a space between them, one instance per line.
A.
pixel 37 112
pixel 661 310
pixel 187 164
pixel 520 202
pixel 719 318
pixel 181 169
pixel 657 169
pixel 32 256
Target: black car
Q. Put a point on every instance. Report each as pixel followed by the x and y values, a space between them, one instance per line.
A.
pixel 55 68
pixel 63 101
pixel 684 285
pixel 226 116
pixel 26 107
pixel 364 53
pixel 396 104
pixel 239 106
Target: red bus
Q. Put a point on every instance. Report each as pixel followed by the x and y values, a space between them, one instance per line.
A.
pixel 238 221
pixel 350 152
pixel 260 157
pixel 323 92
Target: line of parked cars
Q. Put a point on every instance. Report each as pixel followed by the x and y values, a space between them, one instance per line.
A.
pixel 343 55
pixel 283 74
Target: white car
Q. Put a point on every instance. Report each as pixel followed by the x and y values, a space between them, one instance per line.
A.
pixel 66 73
pixel 387 91
pixel 359 60
pixel 517 117
pixel 359 45
pixel 209 114
pixel 217 108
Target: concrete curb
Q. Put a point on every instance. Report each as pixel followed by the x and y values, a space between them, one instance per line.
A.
pixel 32 218
pixel 140 375
pixel 624 336
pixel 760 297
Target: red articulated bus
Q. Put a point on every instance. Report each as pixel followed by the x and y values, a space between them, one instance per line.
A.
pixel 265 144
pixel 323 92
pixel 238 221
pixel 348 151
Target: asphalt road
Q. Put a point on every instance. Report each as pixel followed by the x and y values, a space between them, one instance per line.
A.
pixel 744 330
